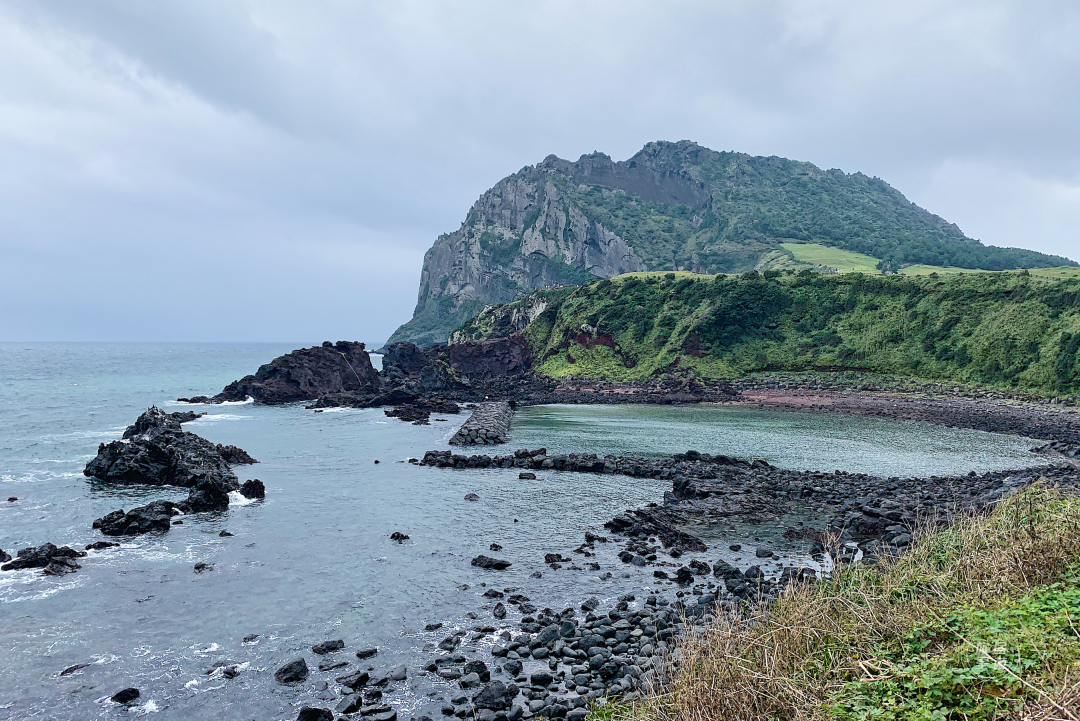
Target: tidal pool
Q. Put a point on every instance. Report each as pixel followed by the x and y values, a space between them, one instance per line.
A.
pixel 787 439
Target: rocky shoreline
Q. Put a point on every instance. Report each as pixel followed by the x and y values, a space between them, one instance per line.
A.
pixel 518 657
pixel 556 663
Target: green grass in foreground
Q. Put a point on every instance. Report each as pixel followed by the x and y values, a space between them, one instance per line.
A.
pixel 976 622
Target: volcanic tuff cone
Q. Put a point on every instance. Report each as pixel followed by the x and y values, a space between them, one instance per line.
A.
pixel 673 206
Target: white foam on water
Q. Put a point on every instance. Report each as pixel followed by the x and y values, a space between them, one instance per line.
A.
pixel 238 667
pixel 213 417
pixel 209 649
pixel 111 433
pixel 246 402
pixel 148 707
pixel 192 683
pixel 35 477
pixel 30 584
pixel 236 498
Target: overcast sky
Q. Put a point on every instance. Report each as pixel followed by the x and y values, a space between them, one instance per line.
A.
pixel 229 170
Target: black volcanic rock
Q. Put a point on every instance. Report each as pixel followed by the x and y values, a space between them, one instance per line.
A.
pixel 154 516
pixel 496 696
pixel 155 420
pixel 307 373
pixel 210 493
pixel 253 489
pixel 126 696
pixel 44 556
pixel 309 713
pixel 158 452
pixel 491 563
pixel 235 456
pixel 292 672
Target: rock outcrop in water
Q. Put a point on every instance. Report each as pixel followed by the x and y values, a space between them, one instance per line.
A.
pixel 154 516
pixel 306 374
pixel 208 494
pixel 158 452
pixel 57 561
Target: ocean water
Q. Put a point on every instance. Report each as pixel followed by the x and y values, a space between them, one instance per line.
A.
pixel 313 561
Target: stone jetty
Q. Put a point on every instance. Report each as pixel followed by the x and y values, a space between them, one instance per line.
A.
pixel 488 425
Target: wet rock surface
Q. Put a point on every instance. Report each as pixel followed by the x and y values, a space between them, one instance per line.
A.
pixel 712 489
pixel 57 561
pixel 253 489
pixel 156 451
pixel 126 696
pixel 154 516
pixel 293 672
pixel 307 373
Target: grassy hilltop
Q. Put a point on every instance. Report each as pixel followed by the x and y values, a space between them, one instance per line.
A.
pixel 1013 329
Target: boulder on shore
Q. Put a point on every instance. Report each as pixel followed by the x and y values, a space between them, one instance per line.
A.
pixel 496 696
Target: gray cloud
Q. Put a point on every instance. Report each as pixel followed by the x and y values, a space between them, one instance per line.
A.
pixel 273 170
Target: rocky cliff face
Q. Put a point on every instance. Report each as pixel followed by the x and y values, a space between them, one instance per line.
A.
pixel 672 206
pixel 524 234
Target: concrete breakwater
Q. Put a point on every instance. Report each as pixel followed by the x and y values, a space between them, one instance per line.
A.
pixel 488 425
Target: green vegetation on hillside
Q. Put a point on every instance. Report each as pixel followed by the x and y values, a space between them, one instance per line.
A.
pixel 682 207
pixel 736 207
pixel 1000 329
pixel 980 621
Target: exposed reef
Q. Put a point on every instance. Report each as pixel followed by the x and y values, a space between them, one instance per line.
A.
pixel 156 451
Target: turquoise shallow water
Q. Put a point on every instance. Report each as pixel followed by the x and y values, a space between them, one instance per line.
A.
pixel 789 439
pixel 314 561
